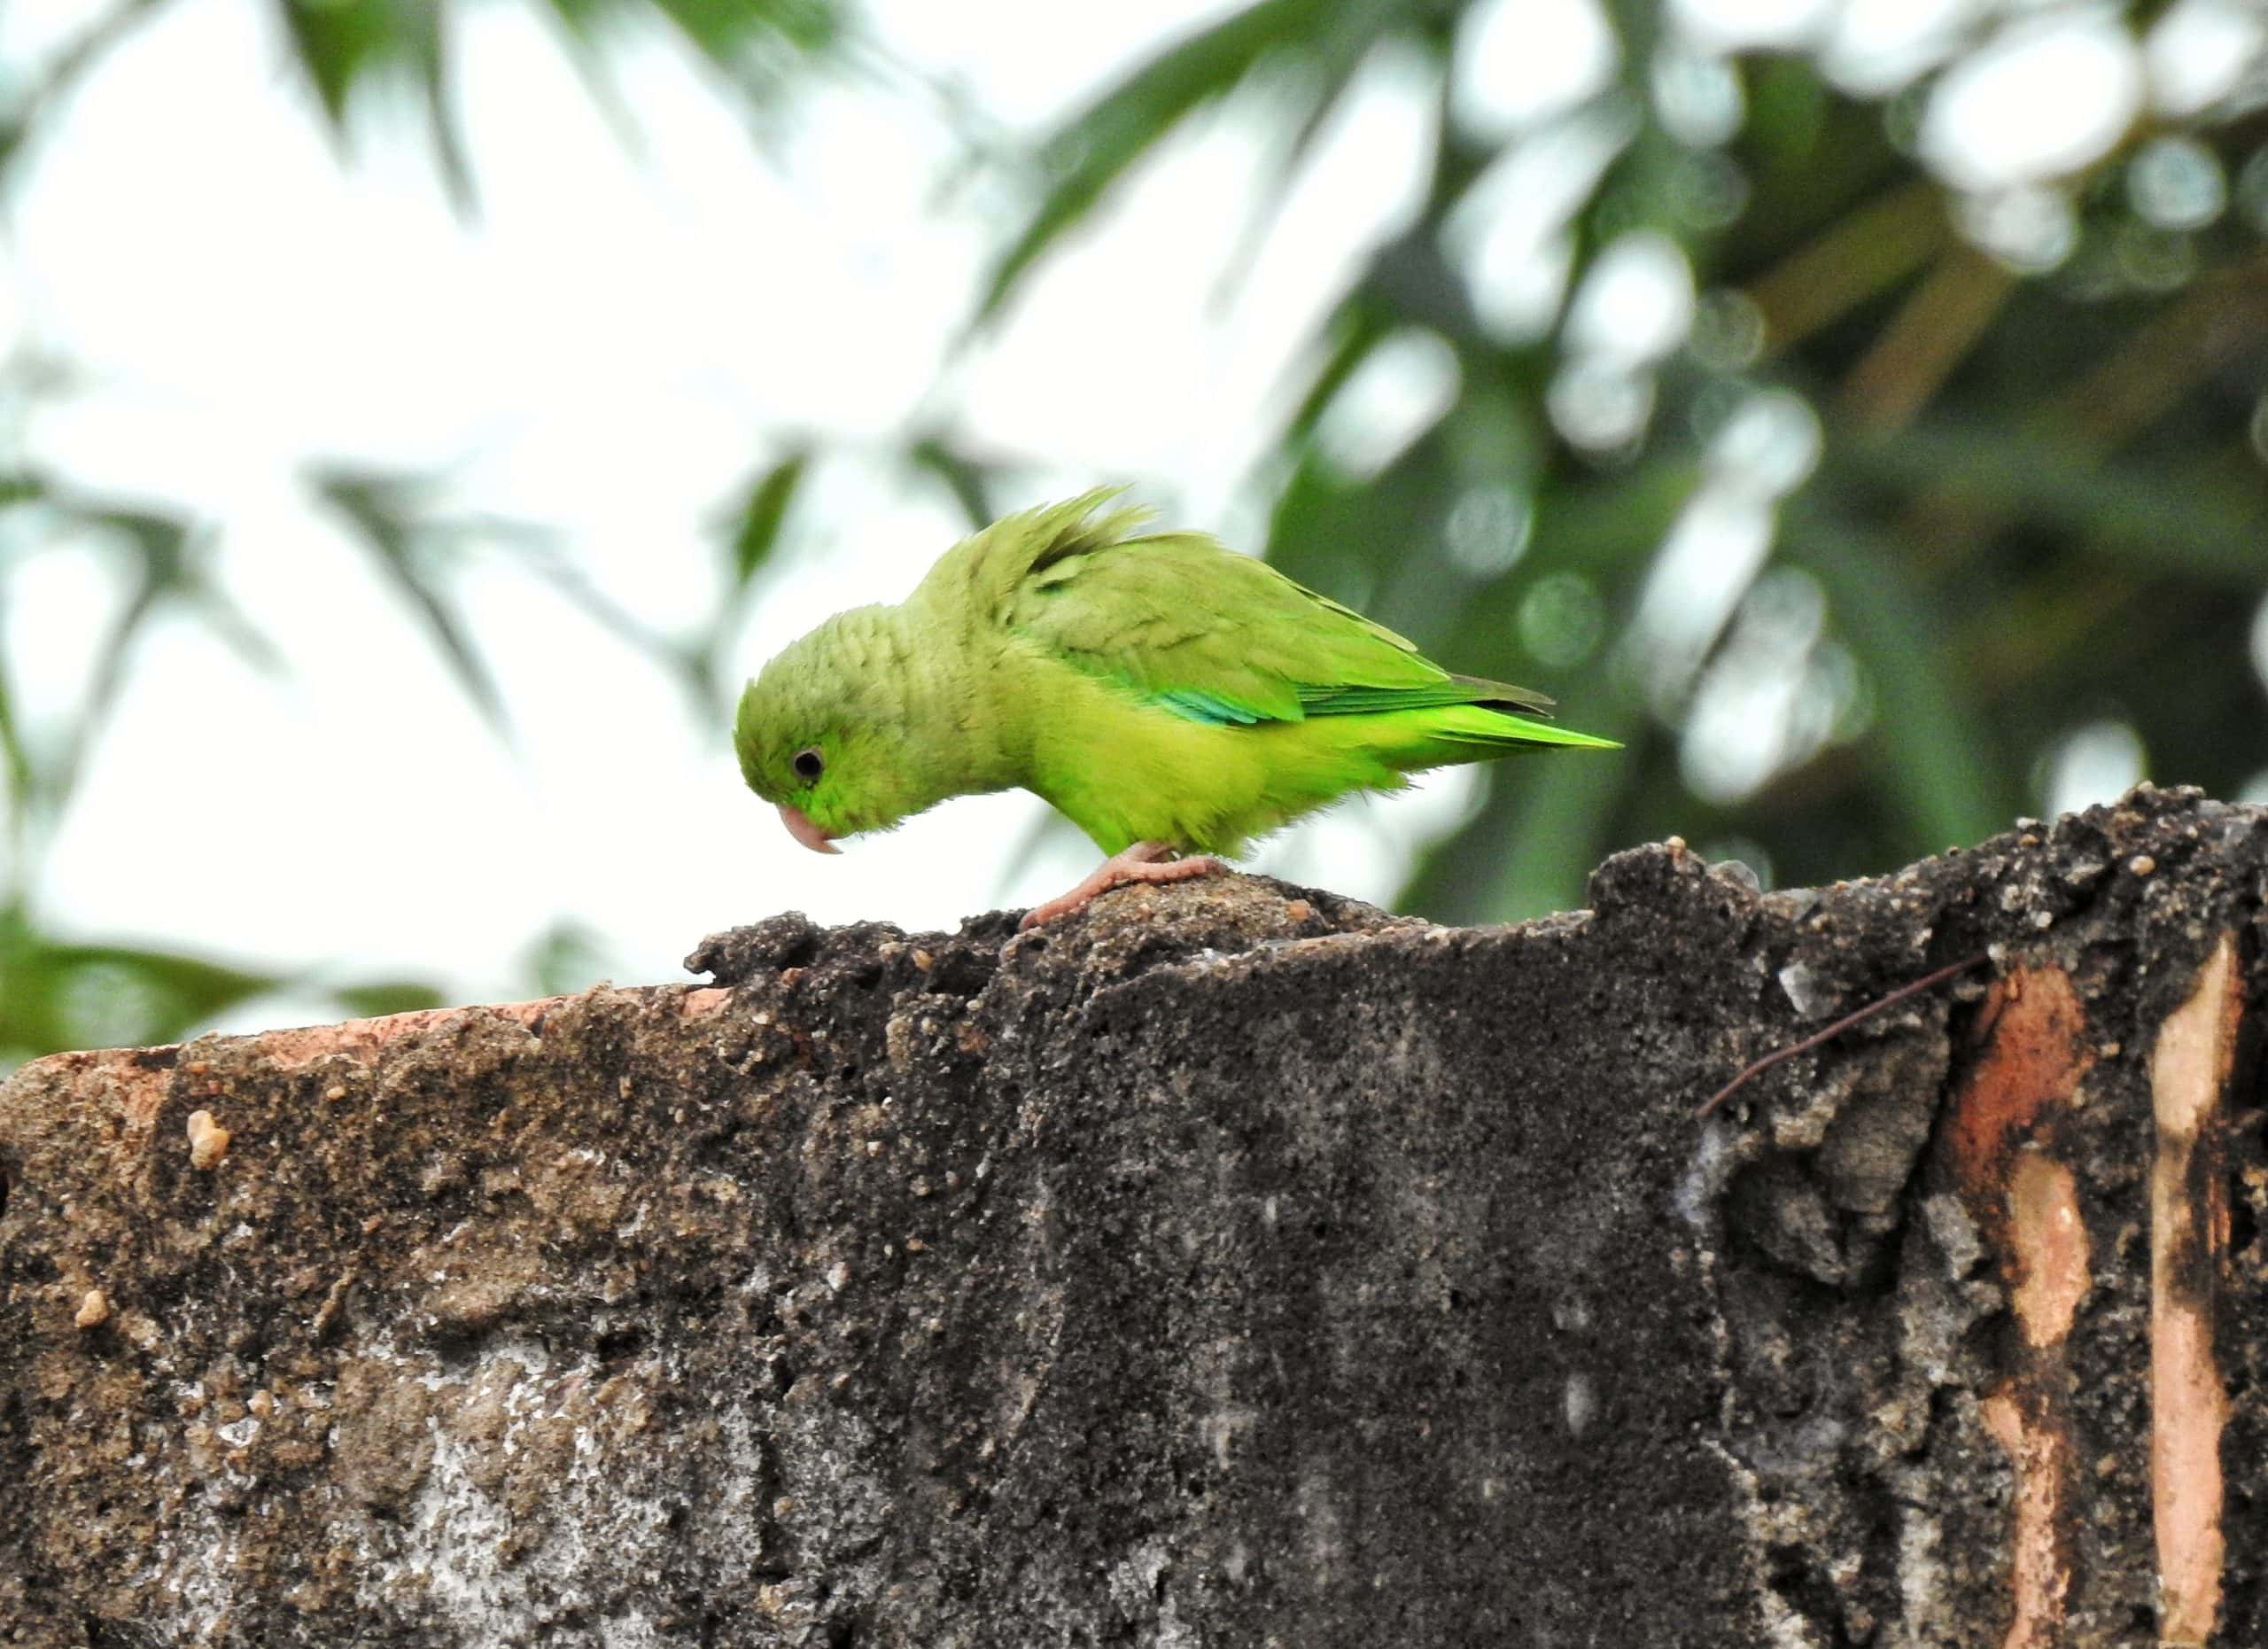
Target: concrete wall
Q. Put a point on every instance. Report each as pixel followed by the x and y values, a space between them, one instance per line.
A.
pixel 1227 1265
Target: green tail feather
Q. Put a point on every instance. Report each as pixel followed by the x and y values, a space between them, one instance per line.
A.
pixel 1499 732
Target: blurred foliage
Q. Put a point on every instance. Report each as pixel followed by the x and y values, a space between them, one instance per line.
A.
pixel 1913 483
pixel 1928 480
pixel 342 49
pixel 59 993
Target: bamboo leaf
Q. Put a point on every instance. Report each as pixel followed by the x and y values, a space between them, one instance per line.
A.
pixel 383 512
pixel 337 42
pixel 743 37
pixel 2156 516
pixel 567 957
pixel 1111 133
pixel 56 995
pixel 1943 770
pixel 23 780
pixel 375 998
pixel 968 479
pixel 1340 47
pixel 31 108
pixel 757 523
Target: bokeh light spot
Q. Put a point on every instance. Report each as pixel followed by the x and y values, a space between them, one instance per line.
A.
pixel 1600 407
pixel 1636 304
pixel 1489 529
pixel 1709 190
pixel 1519 62
pixel 1724 24
pixel 1772 442
pixel 1698 96
pixel 2098 762
pixel 1561 620
pixel 1877 47
pixel 2200 51
pixel 1705 565
pixel 1728 332
pixel 2176 184
pixel 1507 235
pixel 2045 98
pixel 2155 260
pixel 1400 392
pixel 2260 642
pixel 2032 228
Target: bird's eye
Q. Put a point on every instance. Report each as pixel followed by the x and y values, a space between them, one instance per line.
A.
pixel 809 763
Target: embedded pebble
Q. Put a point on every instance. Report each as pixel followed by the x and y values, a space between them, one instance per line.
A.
pixel 208 1141
pixel 1803 988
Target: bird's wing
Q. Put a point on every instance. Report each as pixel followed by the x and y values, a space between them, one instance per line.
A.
pixel 1218 637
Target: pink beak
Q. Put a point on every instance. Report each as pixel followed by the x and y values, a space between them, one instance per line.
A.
pixel 804 831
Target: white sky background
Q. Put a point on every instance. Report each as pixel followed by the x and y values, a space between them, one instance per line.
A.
pixel 609 348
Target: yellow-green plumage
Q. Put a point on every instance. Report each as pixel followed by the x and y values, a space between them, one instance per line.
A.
pixel 1154 688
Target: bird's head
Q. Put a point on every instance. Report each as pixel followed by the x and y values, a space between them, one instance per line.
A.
pixel 827 732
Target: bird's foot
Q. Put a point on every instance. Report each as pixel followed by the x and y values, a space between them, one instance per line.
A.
pixel 1144 861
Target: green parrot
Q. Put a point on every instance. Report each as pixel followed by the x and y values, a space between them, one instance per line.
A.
pixel 1174 699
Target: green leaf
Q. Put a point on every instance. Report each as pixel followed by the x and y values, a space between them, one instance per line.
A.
pixel 59 994
pixel 757 521
pixel 743 36
pixel 167 554
pixel 1338 49
pixel 22 786
pixel 375 998
pixel 758 44
pixel 2160 517
pixel 1357 327
pixel 23 486
pixel 31 109
pixel 753 529
pixel 968 479
pixel 342 44
pixel 384 511
pixel 1115 131
pixel 567 957
pixel 1943 768
pixel 56 995
pixel 536 548
pixel 337 41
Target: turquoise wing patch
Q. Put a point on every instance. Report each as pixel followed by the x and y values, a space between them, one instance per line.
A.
pixel 1193 704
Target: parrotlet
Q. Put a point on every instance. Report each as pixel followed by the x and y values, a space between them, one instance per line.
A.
pixel 1171 698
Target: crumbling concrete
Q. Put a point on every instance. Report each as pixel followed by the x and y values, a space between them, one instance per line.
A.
pixel 1227 1265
